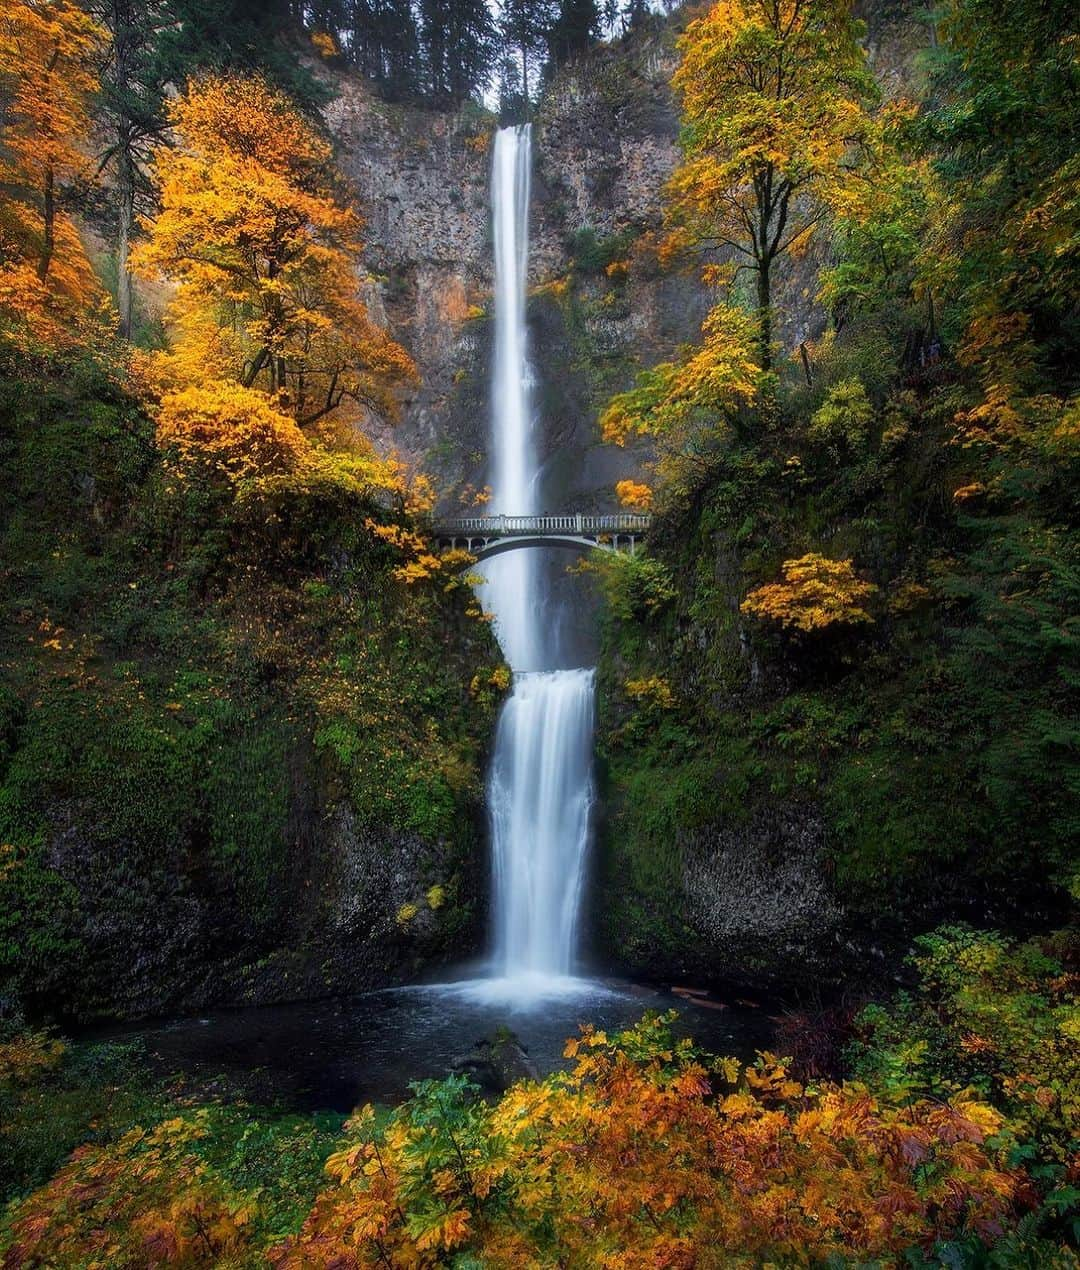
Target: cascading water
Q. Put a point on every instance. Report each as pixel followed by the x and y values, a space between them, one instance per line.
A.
pixel 540 789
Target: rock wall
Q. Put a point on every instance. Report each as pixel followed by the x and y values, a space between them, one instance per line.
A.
pixel 605 142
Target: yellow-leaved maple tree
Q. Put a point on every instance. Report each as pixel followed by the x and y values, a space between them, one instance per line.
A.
pixel 815 593
pixel 264 257
pixel 686 407
pixel 775 97
pixel 47 75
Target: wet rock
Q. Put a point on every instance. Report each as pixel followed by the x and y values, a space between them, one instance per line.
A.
pixel 496 1062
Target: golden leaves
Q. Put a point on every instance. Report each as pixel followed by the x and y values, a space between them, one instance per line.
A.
pixel 815 593
pixel 236 431
pixel 49 295
pixel 264 258
pixel 634 494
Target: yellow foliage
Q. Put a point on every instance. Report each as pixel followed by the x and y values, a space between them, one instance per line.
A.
pixel 774 104
pixel 685 407
pixel 28 1055
pixel 323 43
pixel 265 261
pixel 629 1161
pixel 436 897
pixel 48 52
pixel 236 431
pixel 634 494
pixel 406 913
pixel 816 593
pixel 654 691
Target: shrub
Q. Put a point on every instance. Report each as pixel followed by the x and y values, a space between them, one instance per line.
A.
pixel 629 1160
pixel 816 593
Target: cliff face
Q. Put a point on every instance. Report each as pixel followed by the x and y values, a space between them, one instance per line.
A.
pixel 605 142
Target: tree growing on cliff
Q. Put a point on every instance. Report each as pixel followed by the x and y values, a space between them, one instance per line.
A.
pixel 524 26
pixel 47 76
pixel 775 97
pixel 264 258
pixel 458 48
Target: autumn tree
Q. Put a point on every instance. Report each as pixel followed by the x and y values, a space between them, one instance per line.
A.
pixel 688 408
pixel 47 54
pixel 264 258
pixel 131 105
pixel 815 593
pixel 775 97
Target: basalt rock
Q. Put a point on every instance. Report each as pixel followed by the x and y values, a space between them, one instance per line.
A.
pixel 496 1062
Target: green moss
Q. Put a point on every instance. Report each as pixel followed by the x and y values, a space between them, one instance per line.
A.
pixel 937 747
pixel 182 684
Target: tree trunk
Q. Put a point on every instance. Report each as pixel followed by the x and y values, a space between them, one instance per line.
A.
pixel 764 299
pixel 125 219
pixel 48 238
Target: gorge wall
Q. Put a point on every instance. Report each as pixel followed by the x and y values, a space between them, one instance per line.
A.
pixel 748 896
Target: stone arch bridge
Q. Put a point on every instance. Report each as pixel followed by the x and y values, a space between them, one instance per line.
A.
pixel 487 536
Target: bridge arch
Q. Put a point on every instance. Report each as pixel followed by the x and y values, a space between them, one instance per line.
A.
pixel 491 547
pixel 488 536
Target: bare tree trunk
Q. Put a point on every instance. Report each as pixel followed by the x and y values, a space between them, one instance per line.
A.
pixel 764 299
pixel 126 217
pixel 48 238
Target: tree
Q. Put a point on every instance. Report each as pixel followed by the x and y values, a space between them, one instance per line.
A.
pixel 458 47
pixel 47 54
pixel 132 104
pixel 775 97
pixel 816 593
pixel 689 407
pixel 576 29
pixel 241 36
pixel 263 257
pixel 524 26
pixel 384 43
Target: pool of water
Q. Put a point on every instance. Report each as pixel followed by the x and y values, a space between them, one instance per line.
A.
pixel 338 1054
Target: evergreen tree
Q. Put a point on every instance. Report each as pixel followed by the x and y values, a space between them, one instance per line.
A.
pixel 636 14
pixel 383 42
pixel 576 29
pixel 458 48
pixel 611 17
pixel 132 111
pixel 240 35
pixel 524 26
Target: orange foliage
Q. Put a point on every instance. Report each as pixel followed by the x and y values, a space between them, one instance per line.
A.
pixel 147 1200
pixel 816 593
pixel 264 259
pixel 634 494
pixel 233 430
pixel 47 54
pixel 631 1160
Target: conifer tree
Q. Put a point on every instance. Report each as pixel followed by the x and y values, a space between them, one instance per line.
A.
pixel 576 29
pixel 524 27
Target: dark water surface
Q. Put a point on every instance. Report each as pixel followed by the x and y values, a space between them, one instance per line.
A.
pixel 337 1054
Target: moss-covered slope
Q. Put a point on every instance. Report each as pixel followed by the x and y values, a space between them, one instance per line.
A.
pixel 239 759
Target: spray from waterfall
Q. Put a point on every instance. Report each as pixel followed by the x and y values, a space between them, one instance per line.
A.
pixel 540 788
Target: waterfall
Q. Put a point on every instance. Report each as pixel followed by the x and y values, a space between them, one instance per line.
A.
pixel 540 788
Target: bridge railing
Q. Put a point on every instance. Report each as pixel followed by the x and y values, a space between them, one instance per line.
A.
pixel 574 523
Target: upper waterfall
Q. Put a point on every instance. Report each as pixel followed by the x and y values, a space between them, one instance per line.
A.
pixel 510 593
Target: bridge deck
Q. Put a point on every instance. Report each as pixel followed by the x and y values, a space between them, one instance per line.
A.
pixel 577 524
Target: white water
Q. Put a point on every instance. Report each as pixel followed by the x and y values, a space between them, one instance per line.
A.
pixel 540 789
